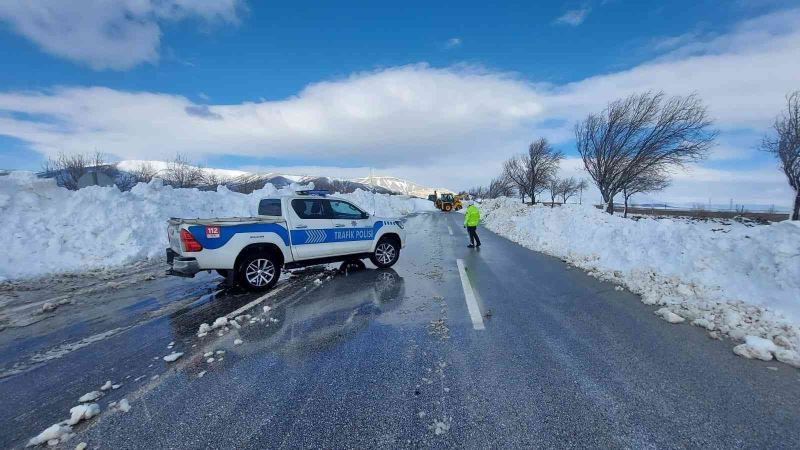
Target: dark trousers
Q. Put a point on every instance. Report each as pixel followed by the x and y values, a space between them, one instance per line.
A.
pixel 473 236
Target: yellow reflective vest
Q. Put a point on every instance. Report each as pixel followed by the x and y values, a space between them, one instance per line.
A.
pixel 472 217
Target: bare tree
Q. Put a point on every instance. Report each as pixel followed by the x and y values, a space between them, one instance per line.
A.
pixel 582 186
pixel 568 188
pixel 515 171
pixel 554 187
pixel 784 142
pixel 67 169
pixel 530 172
pixel 145 172
pixel 644 133
pixel 646 182
pixel 499 187
pixel 181 174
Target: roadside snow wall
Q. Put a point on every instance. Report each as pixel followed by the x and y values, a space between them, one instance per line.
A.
pixel 742 282
pixel 49 229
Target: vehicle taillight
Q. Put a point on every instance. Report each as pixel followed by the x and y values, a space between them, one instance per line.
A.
pixel 189 243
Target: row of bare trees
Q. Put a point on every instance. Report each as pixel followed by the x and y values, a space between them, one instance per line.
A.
pixel 531 174
pixel 629 148
pixel 68 169
pixel 634 145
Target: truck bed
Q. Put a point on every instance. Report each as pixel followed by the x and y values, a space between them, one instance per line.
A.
pixel 226 220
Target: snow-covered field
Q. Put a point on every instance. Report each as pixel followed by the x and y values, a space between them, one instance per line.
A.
pixel 738 281
pixel 49 229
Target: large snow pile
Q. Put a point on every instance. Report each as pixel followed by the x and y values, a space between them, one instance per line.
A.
pixel 741 281
pixel 49 229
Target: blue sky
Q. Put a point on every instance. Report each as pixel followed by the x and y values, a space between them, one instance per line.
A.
pixel 342 87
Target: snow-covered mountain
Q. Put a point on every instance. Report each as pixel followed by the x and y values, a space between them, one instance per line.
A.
pixel 400 185
pixel 239 178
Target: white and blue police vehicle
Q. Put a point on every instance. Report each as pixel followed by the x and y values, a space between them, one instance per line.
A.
pixel 289 232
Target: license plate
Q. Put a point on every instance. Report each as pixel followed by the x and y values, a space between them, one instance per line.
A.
pixel 212 232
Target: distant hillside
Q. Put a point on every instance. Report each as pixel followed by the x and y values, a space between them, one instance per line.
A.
pixel 400 185
pixel 247 182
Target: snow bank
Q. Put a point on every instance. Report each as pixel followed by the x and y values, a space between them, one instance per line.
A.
pixel 741 281
pixel 49 229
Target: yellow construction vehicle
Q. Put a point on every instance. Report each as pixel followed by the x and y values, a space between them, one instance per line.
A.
pixel 447 202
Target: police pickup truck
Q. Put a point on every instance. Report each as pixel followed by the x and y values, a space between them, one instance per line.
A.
pixel 289 232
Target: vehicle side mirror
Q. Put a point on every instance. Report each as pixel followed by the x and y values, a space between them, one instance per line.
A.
pixel 364 215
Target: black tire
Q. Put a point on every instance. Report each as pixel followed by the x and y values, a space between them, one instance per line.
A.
pixel 447 208
pixel 386 253
pixel 258 271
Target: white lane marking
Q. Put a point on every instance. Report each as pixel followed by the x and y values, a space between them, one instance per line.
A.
pixel 469 296
pixel 255 302
pixel 450 230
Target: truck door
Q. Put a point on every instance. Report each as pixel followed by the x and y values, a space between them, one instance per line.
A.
pixel 311 226
pixel 352 230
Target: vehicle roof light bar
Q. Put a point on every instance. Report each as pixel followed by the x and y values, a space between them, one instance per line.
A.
pixel 317 192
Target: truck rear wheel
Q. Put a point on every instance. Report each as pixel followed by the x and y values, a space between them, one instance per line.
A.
pixel 386 253
pixel 258 271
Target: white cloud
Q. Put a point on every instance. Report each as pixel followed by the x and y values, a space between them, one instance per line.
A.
pixel 415 121
pixel 105 34
pixel 402 114
pixel 573 17
pixel 452 43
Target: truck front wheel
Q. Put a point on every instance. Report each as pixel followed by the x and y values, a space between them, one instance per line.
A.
pixel 386 253
pixel 258 271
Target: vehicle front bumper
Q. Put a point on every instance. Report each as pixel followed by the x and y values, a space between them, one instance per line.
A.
pixel 181 266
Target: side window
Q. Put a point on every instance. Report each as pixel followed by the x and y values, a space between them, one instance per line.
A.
pixel 269 207
pixel 344 210
pixel 309 208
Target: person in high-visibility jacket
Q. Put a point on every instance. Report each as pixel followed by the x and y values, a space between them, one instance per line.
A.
pixel 472 218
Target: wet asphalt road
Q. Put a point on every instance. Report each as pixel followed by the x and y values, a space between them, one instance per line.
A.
pixel 391 359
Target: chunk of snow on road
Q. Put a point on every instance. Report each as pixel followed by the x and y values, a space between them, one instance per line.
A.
pixel 220 352
pixel 123 405
pixel 669 316
pixel 204 329
pixel 756 347
pixel 116 386
pixel 171 344
pixel 317 281
pixel 173 356
pixel 441 426
pixel 789 357
pixel 267 308
pixel 207 354
pixel 210 360
pixel 237 342
pixel 220 322
pixel 201 374
pixel 90 396
pixel 82 412
pixel 52 432
pixel 81 446
pixel 106 386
